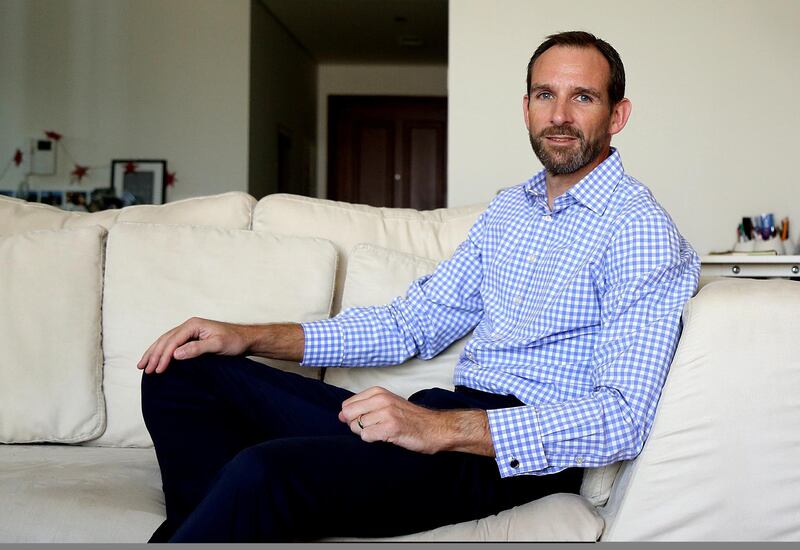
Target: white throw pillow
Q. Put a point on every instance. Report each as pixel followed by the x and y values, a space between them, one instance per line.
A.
pixel 157 276
pixel 51 359
pixel 433 234
pixel 375 276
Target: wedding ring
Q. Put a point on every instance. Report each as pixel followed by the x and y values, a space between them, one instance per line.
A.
pixel 360 425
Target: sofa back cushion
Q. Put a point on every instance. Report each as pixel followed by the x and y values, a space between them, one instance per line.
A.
pixel 157 276
pixel 232 210
pixel 721 460
pixel 375 276
pixel 432 234
pixel 51 360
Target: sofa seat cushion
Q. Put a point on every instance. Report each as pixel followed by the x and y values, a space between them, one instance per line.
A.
pixel 433 234
pixel 561 517
pixel 51 359
pixel 158 276
pixel 64 493
pixel 721 459
pixel 232 210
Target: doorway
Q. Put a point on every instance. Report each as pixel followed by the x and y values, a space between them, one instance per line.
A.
pixel 388 151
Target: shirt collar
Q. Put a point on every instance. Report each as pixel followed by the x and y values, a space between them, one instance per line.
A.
pixel 593 191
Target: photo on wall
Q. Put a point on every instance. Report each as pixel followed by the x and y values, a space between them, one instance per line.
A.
pixel 139 181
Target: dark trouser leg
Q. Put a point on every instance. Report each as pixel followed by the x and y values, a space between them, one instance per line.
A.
pixel 200 413
pixel 300 488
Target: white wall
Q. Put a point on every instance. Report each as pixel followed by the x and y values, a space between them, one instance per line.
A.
pixel 401 80
pixel 713 83
pixel 129 79
pixel 283 94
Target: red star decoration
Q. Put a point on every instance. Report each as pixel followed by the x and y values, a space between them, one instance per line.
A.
pixel 171 179
pixel 18 158
pixel 80 171
pixel 55 136
pixel 130 168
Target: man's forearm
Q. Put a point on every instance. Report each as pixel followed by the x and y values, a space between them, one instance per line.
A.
pixel 467 431
pixel 284 341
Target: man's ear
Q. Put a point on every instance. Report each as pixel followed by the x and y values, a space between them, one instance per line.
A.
pixel 619 116
pixel 525 109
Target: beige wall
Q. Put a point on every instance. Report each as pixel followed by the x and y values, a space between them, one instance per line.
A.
pixel 715 120
pixel 421 80
pixel 282 96
pixel 129 79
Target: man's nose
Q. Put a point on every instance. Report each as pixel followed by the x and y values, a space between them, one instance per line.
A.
pixel 562 113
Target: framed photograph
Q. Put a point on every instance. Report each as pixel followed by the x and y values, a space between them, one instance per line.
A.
pixel 139 181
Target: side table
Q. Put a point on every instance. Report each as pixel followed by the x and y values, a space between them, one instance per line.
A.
pixel 743 265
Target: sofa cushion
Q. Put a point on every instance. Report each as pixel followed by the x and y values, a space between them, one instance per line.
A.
pixel 375 276
pixel 232 210
pixel 721 460
pixel 157 276
pixel 433 234
pixel 561 517
pixel 67 494
pixel 51 359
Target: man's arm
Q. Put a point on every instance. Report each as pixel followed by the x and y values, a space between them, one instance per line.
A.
pixel 198 336
pixel 376 414
pixel 384 415
pixel 649 273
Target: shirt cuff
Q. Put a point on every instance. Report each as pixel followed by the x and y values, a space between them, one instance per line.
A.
pixel 517 441
pixel 324 344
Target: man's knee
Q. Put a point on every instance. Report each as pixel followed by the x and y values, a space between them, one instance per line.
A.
pixel 169 383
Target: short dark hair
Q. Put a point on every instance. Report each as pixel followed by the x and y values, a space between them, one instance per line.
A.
pixel 581 39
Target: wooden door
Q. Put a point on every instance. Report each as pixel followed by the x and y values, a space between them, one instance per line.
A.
pixel 388 151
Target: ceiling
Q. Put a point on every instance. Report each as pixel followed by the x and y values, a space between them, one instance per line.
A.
pixel 367 31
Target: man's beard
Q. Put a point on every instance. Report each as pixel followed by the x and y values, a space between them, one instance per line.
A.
pixel 565 161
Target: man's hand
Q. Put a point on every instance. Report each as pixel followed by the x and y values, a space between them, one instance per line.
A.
pixel 198 336
pixel 390 418
pixel 192 338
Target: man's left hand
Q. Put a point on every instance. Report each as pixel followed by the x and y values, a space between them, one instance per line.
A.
pixel 376 414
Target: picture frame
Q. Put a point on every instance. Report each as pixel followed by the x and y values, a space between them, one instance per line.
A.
pixel 137 181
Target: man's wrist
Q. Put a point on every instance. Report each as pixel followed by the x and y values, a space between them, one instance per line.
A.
pixel 467 431
pixel 275 341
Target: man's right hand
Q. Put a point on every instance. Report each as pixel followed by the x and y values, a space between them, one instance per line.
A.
pixel 198 336
pixel 192 338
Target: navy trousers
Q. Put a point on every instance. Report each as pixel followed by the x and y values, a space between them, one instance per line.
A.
pixel 249 453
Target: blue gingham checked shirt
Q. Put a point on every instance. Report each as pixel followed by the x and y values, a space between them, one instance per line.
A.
pixel 576 312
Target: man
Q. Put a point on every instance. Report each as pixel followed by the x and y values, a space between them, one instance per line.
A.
pixel 574 283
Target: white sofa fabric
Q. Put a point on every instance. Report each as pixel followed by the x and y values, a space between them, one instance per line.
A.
pixel 720 463
pixel 295 257
pixel 51 361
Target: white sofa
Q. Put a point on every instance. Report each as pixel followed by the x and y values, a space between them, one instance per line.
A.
pixel 82 295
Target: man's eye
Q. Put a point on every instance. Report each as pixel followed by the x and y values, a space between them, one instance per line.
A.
pixel 544 95
pixel 583 98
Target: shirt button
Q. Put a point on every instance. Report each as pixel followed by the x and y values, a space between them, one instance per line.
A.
pixel 579 460
pixel 517 300
pixel 532 258
pixel 470 356
pixel 548 218
pixel 514 463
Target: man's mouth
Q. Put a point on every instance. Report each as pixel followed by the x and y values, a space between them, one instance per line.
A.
pixel 560 139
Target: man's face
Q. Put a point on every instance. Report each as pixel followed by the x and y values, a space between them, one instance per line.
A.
pixel 567 111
